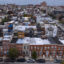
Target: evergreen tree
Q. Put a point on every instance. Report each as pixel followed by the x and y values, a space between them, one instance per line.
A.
pixel 34 55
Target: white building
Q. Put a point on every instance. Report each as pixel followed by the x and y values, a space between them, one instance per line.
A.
pixel 51 30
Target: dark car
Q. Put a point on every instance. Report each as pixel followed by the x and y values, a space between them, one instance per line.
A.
pixel 40 60
pixel 9 60
pixel 57 61
pixel 21 60
pixel 30 61
pixel 1 59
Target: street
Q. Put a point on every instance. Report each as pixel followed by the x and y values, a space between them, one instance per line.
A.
pixel 48 62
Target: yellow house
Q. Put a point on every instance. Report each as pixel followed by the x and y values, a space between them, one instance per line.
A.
pixel 20 34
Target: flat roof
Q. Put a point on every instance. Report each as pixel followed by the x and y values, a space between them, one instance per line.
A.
pixel 11 21
pixel 54 27
pixel 7 37
pixel 39 41
pixel 22 28
pixel 62 41
pixel 33 41
pixel 23 41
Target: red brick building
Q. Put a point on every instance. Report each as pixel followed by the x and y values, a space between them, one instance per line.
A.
pixel 25 48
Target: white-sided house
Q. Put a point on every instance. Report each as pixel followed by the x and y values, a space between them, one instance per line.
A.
pixel 51 30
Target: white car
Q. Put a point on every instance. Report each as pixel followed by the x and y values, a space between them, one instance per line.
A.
pixel 30 61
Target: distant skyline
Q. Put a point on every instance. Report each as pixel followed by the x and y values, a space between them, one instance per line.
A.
pixel 25 2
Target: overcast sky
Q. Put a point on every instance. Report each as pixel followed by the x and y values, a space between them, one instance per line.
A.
pixel 23 2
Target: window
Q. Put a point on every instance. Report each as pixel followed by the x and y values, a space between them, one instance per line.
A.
pixel 35 47
pixel 26 53
pixel 54 52
pixel 47 52
pixel 59 48
pixel 41 48
pixel 43 53
pixel 45 48
pixel 5 52
pixel 31 47
pixel 27 47
pixel 24 47
pixel 38 48
pixel 55 47
pixel 52 47
pixel 40 53
pixel 48 47
pixel 1 49
pixel 1 53
pixel 60 52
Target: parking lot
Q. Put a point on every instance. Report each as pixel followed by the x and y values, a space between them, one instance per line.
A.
pixel 28 63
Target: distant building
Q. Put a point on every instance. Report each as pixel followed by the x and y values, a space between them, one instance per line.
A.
pixel 44 4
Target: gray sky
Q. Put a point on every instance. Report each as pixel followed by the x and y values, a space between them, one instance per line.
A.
pixel 23 2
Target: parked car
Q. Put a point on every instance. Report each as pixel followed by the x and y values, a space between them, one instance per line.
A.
pixel 57 61
pixel 40 60
pixel 21 60
pixel 30 61
pixel 9 60
pixel 1 59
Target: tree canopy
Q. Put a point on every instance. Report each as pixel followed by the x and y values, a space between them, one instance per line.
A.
pixel 34 55
pixel 13 53
pixel 4 20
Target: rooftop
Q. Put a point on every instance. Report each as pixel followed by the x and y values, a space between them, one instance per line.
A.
pixel 33 41
pixel 62 41
pixel 7 37
pixel 22 28
pixel 14 40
